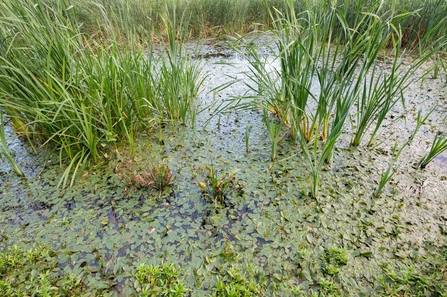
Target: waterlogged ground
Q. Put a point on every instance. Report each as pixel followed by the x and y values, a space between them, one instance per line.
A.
pixel 271 231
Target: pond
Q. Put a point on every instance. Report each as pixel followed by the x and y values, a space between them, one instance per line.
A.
pixel 269 227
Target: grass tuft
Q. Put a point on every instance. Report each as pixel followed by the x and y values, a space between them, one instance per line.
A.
pixel 62 89
pixel 438 146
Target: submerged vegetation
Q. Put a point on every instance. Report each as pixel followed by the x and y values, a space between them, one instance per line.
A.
pixel 111 101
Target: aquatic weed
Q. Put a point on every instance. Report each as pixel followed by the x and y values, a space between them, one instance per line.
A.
pixel 438 146
pixel 30 272
pixel 159 280
pixel 406 281
pixel 217 187
pixel 333 259
pixel 158 177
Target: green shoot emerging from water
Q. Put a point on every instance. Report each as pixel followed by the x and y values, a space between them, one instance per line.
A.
pixel 247 139
pixel 438 146
pixel 216 186
pixel 274 130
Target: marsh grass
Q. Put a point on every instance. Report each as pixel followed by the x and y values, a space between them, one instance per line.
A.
pixel 383 90
pixel 179 75
pixel 331 69
pixel 424 26
pixel 247 139
pixel 393 167
pixel 60 88
pixel 308 47
pixel 438 146
pixel 215 17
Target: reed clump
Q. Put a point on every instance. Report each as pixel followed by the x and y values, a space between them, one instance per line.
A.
pixel 59 87
pixel 331 69
pixel 212 17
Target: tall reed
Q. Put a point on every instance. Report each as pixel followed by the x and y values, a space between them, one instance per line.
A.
pixel 328 62
pixel 180 76
pixel 59 87
pixel 211 17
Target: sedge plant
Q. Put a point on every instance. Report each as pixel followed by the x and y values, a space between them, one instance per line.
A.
pixel 62 89
pixel 438 146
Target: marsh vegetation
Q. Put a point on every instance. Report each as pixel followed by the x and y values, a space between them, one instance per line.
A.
pixel 223 148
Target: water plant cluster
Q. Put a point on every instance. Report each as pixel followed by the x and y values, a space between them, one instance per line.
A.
pixel 63 89
pixel 158 178
pixel 217 186
pixel 35 271
pixel 351 84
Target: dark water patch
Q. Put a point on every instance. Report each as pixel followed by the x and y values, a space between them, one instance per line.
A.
pixel 70 204
pixel 40 205
pixel 20 220
pixel 113 218
pixel 215 55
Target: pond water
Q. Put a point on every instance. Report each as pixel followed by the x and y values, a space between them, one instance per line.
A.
pixel 106 227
